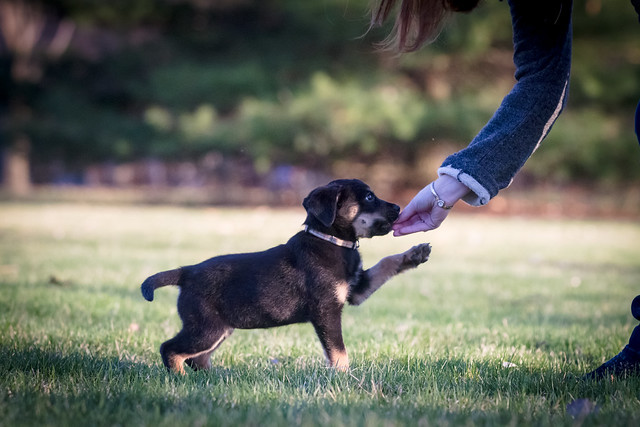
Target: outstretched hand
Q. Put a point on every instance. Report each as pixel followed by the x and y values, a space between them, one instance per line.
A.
pixel 422 213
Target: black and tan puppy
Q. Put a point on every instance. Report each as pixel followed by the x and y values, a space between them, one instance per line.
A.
pixel 308 279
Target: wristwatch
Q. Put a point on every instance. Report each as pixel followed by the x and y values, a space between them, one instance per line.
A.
pixel 439 202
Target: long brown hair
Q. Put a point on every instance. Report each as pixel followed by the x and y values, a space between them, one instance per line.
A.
pixel 417 21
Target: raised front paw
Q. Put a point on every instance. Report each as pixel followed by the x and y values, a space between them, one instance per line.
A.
pixel 416 256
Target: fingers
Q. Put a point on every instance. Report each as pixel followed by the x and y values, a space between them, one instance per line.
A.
pixel 422 214
pixel 411 228
pixel 416 224
pixel 417 216
pixel 413 224
pixel 422 202
pixel 420 221
pixel 406 214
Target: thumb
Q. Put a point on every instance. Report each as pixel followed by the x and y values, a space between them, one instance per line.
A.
pixel 407 212
pixel 421 202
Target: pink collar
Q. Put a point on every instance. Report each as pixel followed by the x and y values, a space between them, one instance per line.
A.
pixel 332 239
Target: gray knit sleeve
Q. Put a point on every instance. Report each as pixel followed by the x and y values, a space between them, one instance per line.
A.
pixel 542 55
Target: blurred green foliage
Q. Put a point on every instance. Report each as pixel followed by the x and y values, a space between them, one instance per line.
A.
pixel 283 81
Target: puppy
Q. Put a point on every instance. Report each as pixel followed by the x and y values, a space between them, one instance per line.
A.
pixel 308 279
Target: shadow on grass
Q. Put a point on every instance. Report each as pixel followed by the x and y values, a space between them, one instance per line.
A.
pixel 45 387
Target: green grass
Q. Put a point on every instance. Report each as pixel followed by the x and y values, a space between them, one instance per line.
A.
pixel 79 345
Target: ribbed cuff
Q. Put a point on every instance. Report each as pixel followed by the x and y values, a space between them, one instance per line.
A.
pixel 478 196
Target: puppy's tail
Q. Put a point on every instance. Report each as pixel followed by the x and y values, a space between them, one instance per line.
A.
pixel 165 278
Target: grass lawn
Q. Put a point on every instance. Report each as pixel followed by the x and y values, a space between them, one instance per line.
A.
pixel 494 330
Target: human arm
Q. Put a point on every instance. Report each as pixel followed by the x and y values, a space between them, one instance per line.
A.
pixel 542 55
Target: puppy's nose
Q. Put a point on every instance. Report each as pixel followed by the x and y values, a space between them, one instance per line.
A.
pixel 394 212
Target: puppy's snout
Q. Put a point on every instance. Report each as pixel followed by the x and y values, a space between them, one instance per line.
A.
pixel 393 212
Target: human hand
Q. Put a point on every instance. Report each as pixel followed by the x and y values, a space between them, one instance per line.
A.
pixel 422 213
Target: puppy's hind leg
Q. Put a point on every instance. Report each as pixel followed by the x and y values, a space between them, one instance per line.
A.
pixel 203 360
pixel 193 346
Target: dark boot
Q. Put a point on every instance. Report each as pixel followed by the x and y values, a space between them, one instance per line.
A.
pixel 627 362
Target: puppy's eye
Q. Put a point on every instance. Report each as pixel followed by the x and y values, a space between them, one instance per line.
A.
pixel 370 197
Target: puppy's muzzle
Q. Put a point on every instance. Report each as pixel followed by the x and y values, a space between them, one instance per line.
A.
pixel 383 225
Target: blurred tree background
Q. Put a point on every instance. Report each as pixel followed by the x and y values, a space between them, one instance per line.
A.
pixel 200 91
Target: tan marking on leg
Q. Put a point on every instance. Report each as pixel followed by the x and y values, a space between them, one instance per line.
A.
pixel 385 269
pixel 176 363
pixel 207 364
pixel 390 266
pixel 380 273
pixel 342 292
pixel 338 359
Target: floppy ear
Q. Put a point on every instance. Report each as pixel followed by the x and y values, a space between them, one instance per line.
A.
pixel 322 203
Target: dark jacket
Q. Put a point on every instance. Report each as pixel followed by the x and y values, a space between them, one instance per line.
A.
pixel 542 55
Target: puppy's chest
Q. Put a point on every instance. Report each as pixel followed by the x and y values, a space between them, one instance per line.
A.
pixel 351 279
pixel 355 273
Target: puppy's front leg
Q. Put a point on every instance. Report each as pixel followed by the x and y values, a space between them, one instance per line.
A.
pixel 329 330
pixel 372 279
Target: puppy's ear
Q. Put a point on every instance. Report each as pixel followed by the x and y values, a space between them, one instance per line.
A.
pixel 322 203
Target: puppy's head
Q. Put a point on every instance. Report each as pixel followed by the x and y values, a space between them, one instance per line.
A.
pixel 349 209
